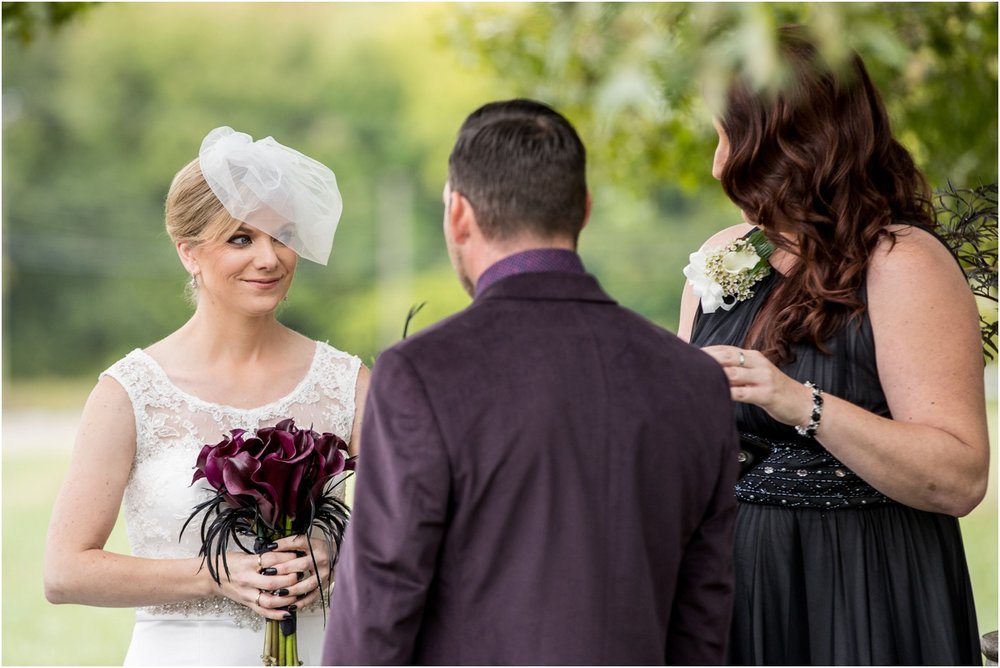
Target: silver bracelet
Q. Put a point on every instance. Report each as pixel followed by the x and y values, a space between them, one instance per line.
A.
pixel 817 413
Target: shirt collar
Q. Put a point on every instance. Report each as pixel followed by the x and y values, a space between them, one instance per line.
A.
pixel 531 261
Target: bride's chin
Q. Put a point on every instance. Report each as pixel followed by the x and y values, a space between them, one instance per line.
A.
pixel 261 308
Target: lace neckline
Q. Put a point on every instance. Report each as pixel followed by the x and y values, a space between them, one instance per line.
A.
pixel 198 401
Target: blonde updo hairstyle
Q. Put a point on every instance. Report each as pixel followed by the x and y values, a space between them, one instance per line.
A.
pixel 193 213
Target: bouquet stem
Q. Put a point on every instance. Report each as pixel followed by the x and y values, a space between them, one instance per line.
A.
pixel 280 648
pixel 269 639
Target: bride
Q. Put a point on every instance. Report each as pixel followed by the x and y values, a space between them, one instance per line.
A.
pixel 240 216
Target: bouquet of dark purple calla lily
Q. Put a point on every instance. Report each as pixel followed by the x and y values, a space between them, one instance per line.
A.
pixel 272 484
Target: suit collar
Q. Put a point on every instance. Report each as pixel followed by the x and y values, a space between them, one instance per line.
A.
pixel 531 261
pixel 547 286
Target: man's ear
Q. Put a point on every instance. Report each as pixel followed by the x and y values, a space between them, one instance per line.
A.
pixel 586 213
pixel 461 218
pixel 185 253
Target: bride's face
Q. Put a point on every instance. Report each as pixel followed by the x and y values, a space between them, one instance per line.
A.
pixel 248 270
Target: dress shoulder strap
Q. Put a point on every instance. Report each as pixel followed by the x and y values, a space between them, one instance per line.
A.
pixel 336 373
pixel 136 377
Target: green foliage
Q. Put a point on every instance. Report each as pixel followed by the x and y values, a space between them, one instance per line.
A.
pixel 22 20
pixel 641 79
pixel 967 221
pixel 99 115
pixel 641 82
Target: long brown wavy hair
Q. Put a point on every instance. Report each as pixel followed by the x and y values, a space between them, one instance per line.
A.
pixel 817 159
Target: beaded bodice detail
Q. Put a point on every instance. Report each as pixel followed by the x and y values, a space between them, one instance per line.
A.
pixel 172 426
pixel 799 472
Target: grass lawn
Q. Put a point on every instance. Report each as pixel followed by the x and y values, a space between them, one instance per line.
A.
pixel 38 633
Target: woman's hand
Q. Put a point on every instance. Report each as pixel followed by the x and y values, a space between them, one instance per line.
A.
pixel 272 582
pixel 754 379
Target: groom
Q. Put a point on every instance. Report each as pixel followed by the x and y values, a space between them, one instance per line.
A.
pixel 545 477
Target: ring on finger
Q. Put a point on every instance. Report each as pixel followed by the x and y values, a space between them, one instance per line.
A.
pixel 257 602
pixel 260 564
pixel 743 359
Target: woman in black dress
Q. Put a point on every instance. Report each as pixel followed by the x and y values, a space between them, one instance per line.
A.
pixel 847 546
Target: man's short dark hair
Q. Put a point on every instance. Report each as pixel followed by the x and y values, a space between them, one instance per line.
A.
pixel 523 168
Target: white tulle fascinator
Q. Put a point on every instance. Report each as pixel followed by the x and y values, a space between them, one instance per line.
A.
pixel 275 189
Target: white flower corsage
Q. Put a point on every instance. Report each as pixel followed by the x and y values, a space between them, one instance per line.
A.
pixel 724 276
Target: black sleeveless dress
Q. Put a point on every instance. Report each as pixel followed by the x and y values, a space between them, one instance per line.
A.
pixel 828 570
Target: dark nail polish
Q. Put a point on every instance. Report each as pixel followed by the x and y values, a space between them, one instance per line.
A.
pixel 300 575
pixel 271 546
pixel 269 571
pixel 281 592
pixel 291 608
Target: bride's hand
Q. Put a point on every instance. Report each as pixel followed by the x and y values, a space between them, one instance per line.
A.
pixel 270 582
pixel 753 379
pixel 293 559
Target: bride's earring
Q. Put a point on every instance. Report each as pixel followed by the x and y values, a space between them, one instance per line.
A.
pixel 193 283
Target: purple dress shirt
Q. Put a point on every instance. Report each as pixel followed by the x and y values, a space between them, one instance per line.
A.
pixel 530 261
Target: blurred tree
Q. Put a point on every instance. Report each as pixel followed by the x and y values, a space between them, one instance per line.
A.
pixel 98 116
pixel 641 82
pixel 22 20
pixel 642 79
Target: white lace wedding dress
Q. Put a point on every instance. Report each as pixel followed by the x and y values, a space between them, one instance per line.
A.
pixel 172 426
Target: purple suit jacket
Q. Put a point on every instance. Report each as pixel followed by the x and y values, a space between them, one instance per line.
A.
pixel 545 478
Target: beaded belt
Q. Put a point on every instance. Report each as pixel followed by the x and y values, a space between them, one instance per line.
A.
pixel 216 607
pixel 804 475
